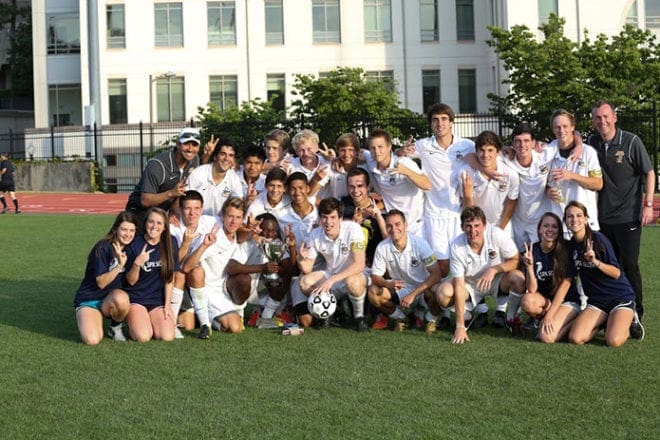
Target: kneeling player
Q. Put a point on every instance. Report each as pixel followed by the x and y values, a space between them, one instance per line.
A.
pixel 341 245
pixel 483 261
pixel 413 270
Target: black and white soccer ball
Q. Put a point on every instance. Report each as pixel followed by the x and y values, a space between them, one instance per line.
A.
pixel 322 306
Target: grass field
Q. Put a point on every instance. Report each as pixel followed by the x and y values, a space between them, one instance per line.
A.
pixel 329 384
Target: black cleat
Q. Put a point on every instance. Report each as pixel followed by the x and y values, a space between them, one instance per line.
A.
pixel 637 329
pixel 480 321
pixel 499 320
pixel 361 325
pixel 204 332
pixel 443 324
pixel 322 324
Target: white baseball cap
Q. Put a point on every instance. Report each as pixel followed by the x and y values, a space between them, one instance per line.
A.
pixel 189 134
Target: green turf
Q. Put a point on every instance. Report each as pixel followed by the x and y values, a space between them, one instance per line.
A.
pixel 329 384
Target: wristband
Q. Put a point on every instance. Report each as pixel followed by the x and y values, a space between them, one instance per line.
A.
pixel 649 203
pixel 460 326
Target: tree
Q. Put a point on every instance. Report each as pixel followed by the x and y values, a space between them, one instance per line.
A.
pixel 345 101
pixel 18 22
pixel 559 73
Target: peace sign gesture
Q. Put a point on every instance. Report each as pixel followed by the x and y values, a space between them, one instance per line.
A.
pixel 589 254
pixel 305 252
pixel 119 253
pixel 528 256
pixel 143 257
pixel 210 146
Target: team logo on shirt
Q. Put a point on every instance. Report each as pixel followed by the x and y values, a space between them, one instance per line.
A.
pixel 113 264
pixel 226 192
pixel 580 163
pixel 343 248
pixel 619 156
pixel 492 253
pixel 148 265
pixel 543 169
pixel 503 183
pixel 459 155
pixel 414 262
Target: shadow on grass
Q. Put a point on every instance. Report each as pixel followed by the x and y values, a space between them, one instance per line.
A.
pixel 44 307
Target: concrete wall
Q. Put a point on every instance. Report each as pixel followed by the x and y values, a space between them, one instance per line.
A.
pixel 67 176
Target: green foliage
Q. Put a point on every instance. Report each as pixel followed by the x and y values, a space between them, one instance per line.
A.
pixel 559 73
pixel 325 384
pixel 20 50
pixel 344 101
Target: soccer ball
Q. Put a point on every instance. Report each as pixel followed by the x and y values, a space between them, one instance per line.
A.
pixel 322 306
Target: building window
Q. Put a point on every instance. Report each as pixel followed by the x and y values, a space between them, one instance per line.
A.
pixel 276 90
pixel 169 24
pixel 274 22
pixel 632 16
pixel 117 101
pixel 63 34
pixel 377 21
pixel 465 20
pixel 547 7
pixel 65 104
pixel 467 91
pixel 652 14
pixel 430 88
pixel 224 91
pixel 116 26
pixel 428 18
pixel 221 23
pixel 384 76
pixel 325 18
pixel 170 98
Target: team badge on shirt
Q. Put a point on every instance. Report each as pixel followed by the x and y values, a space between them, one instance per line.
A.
pixel 459 155
pixel 414 262
pixel 543 169
pixel 619 156
pixel 492 253
pixel 226 192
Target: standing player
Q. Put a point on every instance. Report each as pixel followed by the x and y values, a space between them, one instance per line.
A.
pixel 100 293
pixel 483 262
pixel 414 274
pixel 625 163
pixel 217 181
pixel 7 185
pixel 341 245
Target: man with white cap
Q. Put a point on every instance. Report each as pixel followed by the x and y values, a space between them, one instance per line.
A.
pixel 164 176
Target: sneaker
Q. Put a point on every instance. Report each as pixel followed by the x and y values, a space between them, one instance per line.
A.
pixel 380 323
pixel 443 324
pixel 204 332
pixel 531 325
pixel 499 320
pixel 265 323
pixel 254 317
pixel 431 326
pixel 637 329
pixel 361 325
pixel 18 211
pixel 177 333
pixel 322 324
pixel 285 317
pixel 480 321
pixel 116 334
pixel 5 211
pixel 515 326
pixel 400 326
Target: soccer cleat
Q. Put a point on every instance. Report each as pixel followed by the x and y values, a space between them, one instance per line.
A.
pixel 177 333
pixel 116 334
pixel 418 323
pixel 499 320
pixel 400 326
pixel 204 332
pixel 531 325
pixel 18 211
pixel 431 326
pixel 480 321
pixel 361 325
pixel 515 326
pixel 380 323
pixel 322 324
pixel 285 317
pixel 443 324
pixel 253 319
pixel 5 210
pixel 265 323
pixel 637 330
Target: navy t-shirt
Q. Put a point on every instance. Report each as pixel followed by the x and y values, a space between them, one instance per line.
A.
pixel 544 265
pixel 149 290
pixel 101 259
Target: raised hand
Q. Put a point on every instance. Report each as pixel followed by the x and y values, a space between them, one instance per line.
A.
pixel 210 146
pixel 528 256
pixel 119 253
pixel 304 251
pixel 326 151
pixel 468 185
pixel 143 256
pixel 589 254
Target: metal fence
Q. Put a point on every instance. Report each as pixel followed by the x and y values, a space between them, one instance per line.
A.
pixel 126 148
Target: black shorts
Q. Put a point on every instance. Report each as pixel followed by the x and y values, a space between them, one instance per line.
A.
pixel 7 187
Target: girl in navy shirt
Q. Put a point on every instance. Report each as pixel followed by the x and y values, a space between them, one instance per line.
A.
pixel 610 298
pixel 551 295
pixel 100 293
pixel 153 259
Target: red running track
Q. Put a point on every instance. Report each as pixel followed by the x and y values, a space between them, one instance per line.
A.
pixel 70 203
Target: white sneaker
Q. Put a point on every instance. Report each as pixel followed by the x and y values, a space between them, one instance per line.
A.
pixel 116 333
pixel 265 323
pixel 177 333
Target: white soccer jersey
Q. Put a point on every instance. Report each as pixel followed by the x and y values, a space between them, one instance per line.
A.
pixel 260 184
pixel 260 205
pixel 325 190
pixel 441 165
pixel 490 195
pixel 215 258
pixel 465 263
pixel 409 265
pixel 587 165
pixel 337 252
pixel 201 180
pixel 301 226
pixel 204 226
pixel 397 190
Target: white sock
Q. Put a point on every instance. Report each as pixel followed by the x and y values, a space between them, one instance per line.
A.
pixel 201 304
pixel 269 308
pixel 481 308
pixel 175 302
pixel 502 302
pixel 358 305
pixel 512 305
pixel 216 325
pixel 398 314
pixel 430 317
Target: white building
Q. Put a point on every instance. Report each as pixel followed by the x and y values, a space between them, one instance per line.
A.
pixel 175 56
